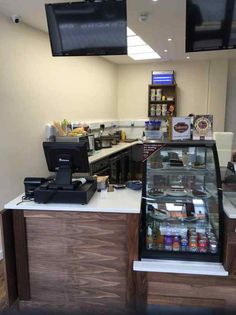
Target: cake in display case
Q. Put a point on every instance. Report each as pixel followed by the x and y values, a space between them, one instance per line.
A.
pixel 182 213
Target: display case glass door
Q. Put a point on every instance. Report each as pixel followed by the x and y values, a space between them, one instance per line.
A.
pixel 182 202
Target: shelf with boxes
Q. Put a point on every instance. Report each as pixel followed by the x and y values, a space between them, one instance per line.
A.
pixel 161 100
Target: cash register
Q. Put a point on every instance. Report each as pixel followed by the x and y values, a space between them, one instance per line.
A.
pixel 65 159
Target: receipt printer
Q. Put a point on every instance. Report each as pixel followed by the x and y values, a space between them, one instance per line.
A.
pixel 31 183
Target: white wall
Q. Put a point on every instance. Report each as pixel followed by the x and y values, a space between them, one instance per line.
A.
pixel 35 89
pixel 230 116
pixel 201 89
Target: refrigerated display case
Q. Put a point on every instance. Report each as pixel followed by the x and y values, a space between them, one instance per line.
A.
pixel 182 214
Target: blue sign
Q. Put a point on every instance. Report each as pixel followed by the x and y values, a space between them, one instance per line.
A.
pixel 162 77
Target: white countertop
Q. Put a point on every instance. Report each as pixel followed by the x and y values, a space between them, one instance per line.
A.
pixel 182 267
pixel 120 201
pixel 98 155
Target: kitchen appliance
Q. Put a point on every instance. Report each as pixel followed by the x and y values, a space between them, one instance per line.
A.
pixel 97 144
pixel 91 145
pixel 106 141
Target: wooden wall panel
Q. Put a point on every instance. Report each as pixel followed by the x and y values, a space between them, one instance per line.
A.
pixel 201 290
pixel 9 256
pixel 82 259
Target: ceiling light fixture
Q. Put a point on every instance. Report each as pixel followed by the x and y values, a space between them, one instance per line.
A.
pixel 170 39
pixel 145 56
pixel 154 0
pixel 187 57
pixel 138 49
pixel 165 50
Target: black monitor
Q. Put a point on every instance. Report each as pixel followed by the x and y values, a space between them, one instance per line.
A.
pixel 210 25
pixel 66 158
pixel 88 28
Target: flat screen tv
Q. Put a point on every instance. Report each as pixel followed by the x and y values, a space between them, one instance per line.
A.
pixel 87 28
pixel 210 25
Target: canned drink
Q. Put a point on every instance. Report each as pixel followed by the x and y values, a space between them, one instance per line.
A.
pixel 213 247
pixel 193 245
pixel 158 94
pixel 184 244
pixel 153 94
pixel 212 238
pixel 202 244
pixel 153 110
pixel 192 230
pixel 168 243
pixel 193 234
pixel 193 239
pixel 158 110
pixel 164 109
pixel 209 235
pixel 176 244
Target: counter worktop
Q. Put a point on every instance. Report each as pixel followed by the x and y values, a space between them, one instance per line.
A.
pixel 120 201
pixel 229 204
pixel 98 155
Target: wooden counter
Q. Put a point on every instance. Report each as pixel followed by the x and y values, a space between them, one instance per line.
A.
pixel 70 260
pixel 81 258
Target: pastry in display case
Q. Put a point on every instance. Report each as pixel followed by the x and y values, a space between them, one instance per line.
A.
pixel 182 202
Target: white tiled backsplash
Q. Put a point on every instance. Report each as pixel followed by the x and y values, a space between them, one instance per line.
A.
pixel 133 128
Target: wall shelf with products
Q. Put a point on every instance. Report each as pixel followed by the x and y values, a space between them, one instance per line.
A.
pixel 161 100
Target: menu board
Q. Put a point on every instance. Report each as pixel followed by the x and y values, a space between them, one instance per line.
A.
pixel 181 128
pixel 203 127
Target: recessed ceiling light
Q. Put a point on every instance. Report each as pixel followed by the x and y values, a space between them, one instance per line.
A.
pixel 154 0
pixel 138 49
pixel 165 50
pixel 130 32
pixel 170 39
pixel 135 41
pixel 152 55
pixel 187 57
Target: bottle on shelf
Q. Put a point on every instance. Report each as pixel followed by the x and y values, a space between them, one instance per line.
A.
pixel 149 238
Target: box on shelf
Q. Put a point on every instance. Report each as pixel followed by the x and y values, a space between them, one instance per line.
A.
pixel 153 134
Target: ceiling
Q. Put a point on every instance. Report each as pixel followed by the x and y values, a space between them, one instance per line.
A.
pixel 165 19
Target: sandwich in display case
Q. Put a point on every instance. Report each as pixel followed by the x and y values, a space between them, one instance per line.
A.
pixel 182 213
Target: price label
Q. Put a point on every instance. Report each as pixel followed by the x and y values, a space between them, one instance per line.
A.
pixel 151 148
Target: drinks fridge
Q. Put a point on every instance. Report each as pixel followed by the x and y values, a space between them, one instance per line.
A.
pixel 181 202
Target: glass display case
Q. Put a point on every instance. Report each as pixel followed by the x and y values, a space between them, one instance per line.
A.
pixel 182 202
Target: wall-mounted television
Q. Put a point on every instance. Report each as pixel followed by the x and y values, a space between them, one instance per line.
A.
pixel 210 25
pixel 87 28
